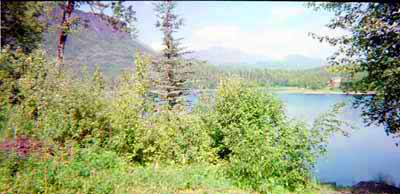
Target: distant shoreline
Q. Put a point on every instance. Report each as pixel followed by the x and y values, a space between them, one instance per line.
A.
pixel 294 90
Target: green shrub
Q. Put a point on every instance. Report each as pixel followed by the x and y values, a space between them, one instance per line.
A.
pixel 126 113
pixel 81 171
pixel 264 151
pixel 77 111
pixel 22 89
pixel 240 109
pixel 175 136
pixel 147 133
pixel 42 103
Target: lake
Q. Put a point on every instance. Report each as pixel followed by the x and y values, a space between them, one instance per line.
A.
pixel 365 155
pixel 368 153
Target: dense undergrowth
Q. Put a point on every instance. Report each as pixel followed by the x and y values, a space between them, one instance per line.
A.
pixel 68 134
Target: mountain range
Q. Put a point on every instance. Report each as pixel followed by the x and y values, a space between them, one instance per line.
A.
pixel 98 43
pixel 228 56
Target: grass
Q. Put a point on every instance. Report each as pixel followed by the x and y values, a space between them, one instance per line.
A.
pixel 92 171
pixel 197 178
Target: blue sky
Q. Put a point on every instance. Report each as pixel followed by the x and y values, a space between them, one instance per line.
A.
pixel 269 29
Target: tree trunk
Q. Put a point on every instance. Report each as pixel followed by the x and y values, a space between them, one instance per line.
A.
pixel 62 37
pixel 169 72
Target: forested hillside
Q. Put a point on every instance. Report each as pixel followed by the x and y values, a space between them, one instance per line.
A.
pixel 315 78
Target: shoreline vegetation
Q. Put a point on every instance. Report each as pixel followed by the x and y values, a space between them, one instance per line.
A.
pixel 298 90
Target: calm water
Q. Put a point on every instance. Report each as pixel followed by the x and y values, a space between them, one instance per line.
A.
pixel 365 155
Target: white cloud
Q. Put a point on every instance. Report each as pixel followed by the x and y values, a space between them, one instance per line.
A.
pixel 266 41
pixel 150 2
pixel 157 46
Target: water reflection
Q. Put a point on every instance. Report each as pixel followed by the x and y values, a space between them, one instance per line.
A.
pixel 367 153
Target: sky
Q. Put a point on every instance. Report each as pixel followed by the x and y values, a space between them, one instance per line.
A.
pixel 270 29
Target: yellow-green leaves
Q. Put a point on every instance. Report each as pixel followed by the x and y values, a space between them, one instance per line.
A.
pixel 264 150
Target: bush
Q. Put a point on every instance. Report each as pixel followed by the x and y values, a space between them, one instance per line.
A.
pixel 264 151
pixel 22 90
pixel 177 137
pixel 240 109
pixel 46 104
pixel 148 133
pixel 77 111
pixel 80 170
pixel 126 113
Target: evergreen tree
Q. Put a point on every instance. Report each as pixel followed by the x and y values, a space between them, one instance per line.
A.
pixel 172 69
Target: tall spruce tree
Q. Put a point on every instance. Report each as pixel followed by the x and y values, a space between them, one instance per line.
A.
pixel 172 69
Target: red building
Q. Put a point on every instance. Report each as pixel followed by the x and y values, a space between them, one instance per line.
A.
pixel 334 82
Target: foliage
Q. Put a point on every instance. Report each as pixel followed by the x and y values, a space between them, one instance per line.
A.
pixel 68 133
pixel 179 137
pixel 99 129
pixel 123 17
pixel 84 170
pixel 22 88
pixel 243 129
pixel 128 108
pixel 328 122
pixel 79 110
pixel 94 170
pixel 264 151
pixel 240 108
pixel 46 104
pixel 22 146
pixel 146 136
pixel 369 52
pixel 20 24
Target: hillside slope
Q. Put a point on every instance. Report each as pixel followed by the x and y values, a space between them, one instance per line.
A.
pixel 96 44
